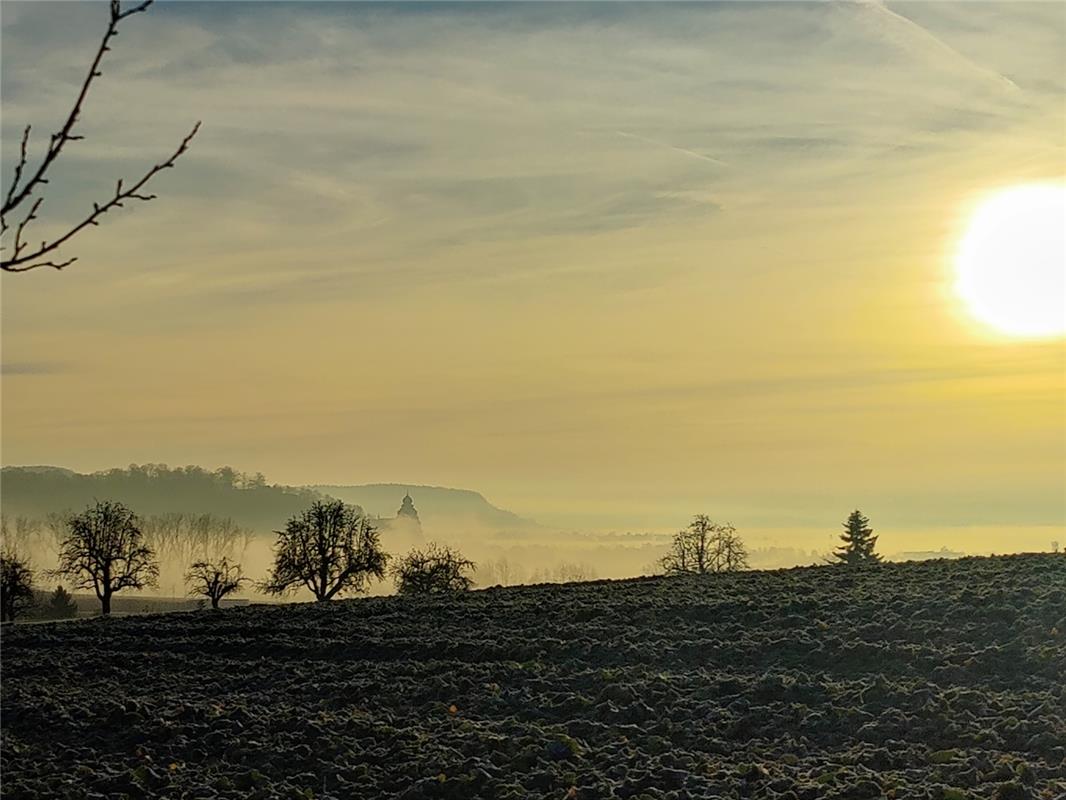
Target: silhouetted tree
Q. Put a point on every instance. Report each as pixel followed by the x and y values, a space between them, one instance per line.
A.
pixel 563 572
pixel 20 255
pixel 16 585
pixel 21 536
pixel 859 542
pixel 105 551
pixel 199 537
pixel 156 491
pixel 214 580
pixel 500 571
pixel 703 547
pixel 60 605
pixel 434 569
pixel 331 548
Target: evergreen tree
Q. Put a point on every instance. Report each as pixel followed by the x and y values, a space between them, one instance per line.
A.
pixel 859 541
pixel 60 605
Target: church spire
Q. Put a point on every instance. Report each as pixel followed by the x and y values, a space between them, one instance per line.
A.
pixel 407 508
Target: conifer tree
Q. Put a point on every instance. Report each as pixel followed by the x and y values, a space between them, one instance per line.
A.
pixel 60 605
pixel 859 541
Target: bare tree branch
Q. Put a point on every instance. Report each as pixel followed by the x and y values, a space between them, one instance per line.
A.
pixel 19 244
pixel 20 261
pixel 16 262
pixel 118 14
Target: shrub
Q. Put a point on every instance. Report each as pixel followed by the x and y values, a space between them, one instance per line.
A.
pixel 435 569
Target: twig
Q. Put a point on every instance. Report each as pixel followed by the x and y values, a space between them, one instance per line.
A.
pixel 19 244
pixel 18 168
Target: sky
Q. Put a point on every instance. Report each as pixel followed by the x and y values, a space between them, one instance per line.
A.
pixel 609 264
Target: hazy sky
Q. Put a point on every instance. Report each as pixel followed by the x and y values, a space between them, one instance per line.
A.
pixel 609 264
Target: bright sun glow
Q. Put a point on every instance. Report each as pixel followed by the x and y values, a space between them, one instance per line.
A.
pixel 1011 262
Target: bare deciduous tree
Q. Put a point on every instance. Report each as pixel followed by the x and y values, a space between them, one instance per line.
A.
pixel 501 571
pixel 215 580
pixel 16 585
pixel 434 569
pixel 200 537
pixel 330 549
pixel 703 547
pixel 21 256
pixel 564 572
pixel 105 551
pixel 20 537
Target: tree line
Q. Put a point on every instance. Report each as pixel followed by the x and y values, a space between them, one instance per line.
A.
pixel 707 547
pixel 155 490
pixel 330 549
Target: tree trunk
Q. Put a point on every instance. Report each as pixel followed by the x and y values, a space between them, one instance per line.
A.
pixel 105 604
pixel 214 601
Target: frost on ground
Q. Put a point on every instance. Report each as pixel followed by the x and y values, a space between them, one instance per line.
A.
pixel 941 679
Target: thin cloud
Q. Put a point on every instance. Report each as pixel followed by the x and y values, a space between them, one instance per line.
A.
pixel 682 150
pixel 34 368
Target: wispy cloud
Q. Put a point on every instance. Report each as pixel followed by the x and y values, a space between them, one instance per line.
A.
pixel 33 368
pixel 619 240
pixel 682 150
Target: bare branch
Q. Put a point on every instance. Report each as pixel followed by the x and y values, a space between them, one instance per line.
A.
pixel 52 264
pixel 19 244
pixel 17 261
pixel 15 196
pixel 22 261
pixel 118 14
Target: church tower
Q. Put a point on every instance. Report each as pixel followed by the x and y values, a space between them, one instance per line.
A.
pixel 408 510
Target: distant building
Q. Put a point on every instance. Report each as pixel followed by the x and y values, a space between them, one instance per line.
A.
pixel 403 530
pixel 407 509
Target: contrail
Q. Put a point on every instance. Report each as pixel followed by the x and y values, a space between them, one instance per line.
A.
pixel 949 51
pixel 682 150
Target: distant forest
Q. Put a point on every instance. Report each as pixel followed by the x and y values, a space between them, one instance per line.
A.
pixel 154 489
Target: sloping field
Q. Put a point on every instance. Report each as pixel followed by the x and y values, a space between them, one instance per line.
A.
pixel 943 679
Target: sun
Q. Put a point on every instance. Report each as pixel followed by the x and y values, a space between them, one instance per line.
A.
pixel 1011 262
